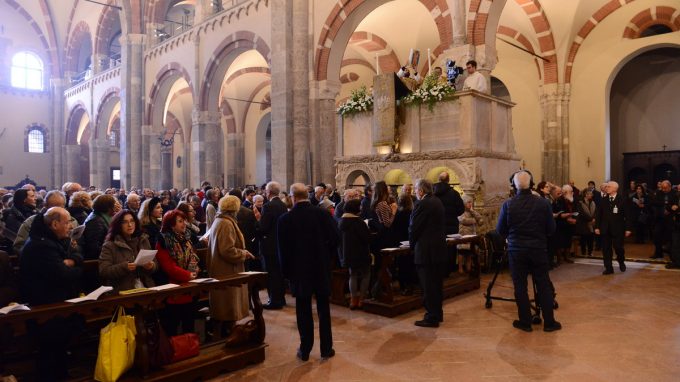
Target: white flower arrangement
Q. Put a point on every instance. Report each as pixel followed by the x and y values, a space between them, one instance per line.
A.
pixel 431 92
pixel 358 101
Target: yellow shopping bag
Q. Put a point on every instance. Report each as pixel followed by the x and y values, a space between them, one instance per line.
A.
pixel 116 347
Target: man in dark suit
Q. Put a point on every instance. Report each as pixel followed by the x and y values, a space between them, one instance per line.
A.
pixel 427 239
pixel 267 233
pixel 613 221
pixel 308 238
pixel 453 208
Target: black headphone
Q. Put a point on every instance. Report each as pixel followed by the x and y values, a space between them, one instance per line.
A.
pixel 512 177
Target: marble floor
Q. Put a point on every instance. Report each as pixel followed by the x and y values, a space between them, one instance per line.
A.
pixel 624 327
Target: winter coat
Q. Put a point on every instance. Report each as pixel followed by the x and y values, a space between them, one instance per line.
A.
pixel 453 205
pixel 114 258
pixel 355 241
pixel 96 228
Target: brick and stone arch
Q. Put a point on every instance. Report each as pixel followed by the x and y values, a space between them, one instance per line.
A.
pixel 45 134
pixel 251 98
pixel 106 105
pixel 346 15
pixel 521 40
pixel 108 26
pixel 74 117
pixel 546 41
pixel 165 77
pixel 80 37
pixel 264 70
pixel 597 17
pixel 220 61
pixel 48 42
pixel 666 16
pixel 374 44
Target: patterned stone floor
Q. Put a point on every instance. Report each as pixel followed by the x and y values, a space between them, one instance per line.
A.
pixel 624 327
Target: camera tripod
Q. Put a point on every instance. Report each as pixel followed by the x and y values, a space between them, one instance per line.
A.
pixel 499 257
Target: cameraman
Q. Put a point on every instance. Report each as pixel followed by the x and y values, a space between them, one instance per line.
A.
pixel 527 221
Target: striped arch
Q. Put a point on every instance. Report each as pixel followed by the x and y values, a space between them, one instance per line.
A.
pixel 374 44
pixel 79 35
pixel 251 98
pixel 357 61
pixel 166 72
pixel 74 117
pixel 219 62
pixel 50 46
pixel 241 72
pixel 523 41
pixel 546 41
pixel 478 16
pixel 173 126
pixel 109 95
pixel 667 16
pixel 106 27
pixel 343 10
pixel 588 26
pixel 228 115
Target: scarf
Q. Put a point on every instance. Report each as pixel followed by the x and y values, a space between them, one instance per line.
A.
pixel 180 250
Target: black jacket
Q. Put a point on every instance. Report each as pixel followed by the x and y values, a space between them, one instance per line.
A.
pixel 308 238
pixel 661 205
pixel 267 230
pixel 9 289
pixel 13 218
pixel 44 277
pixel 355 242
pixel 399 227
pixel 153 231
pixel 526 221
pixel 247 223
pixel 615 217
pixel 93 238
pixel 80 214
pixel 453 205
pixel 426 232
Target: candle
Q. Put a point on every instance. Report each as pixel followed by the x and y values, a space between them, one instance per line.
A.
pixel 377 64
pixel 429 61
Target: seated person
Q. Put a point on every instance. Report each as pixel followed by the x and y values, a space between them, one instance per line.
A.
pixel 48 275
pixel 23 207
pixel 179 261
pixel 9 290
pixel 117 261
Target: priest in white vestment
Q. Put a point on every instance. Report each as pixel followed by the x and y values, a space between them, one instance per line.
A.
pixel 474 80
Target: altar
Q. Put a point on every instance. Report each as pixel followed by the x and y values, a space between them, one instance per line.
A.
pixel 468 135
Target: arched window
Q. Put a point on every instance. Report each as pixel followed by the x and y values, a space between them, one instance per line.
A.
pixel 36 140
pixel 27 71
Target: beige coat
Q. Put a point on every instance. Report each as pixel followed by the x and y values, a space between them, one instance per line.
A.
pixel 227 255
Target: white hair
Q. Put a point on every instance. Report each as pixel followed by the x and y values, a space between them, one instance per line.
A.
pixel 567 188
pixel 273 187
pixel 258 197
pixel 521 180
pixel 613 184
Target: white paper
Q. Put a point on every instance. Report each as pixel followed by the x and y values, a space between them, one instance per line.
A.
pixel 454 236
pixel 93 296
pixel 11 308
pixel 145 256
pixel 205 280
pixel 77 232
pixel 466 236
pixel 251 273
pixel 164 287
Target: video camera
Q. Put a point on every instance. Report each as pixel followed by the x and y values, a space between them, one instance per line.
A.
pixel 452 72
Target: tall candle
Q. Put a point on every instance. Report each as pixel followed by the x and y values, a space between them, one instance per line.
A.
pixel 429 61
pixel 377 64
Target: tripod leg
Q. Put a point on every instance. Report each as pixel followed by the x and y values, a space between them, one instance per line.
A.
pixel 537 316
pixel 499 266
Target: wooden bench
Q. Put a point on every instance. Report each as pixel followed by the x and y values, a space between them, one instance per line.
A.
pixel 392 304
pixel 215 357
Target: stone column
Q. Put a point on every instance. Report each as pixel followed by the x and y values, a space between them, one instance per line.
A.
pixel 103 150
pixel 324 118
pixel 300 73
pixel 236 159
pixel 131 101
pixel 555 131
pixel 100 62
pixel 57 132
pixel 282 91
pixel 205 147
pixel 459 22
pixel 151 157
pixel 94 159
pixel 166 167
pixel 72 162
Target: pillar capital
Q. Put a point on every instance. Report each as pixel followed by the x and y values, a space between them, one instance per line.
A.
pixel 133 39
pixel 205 117
pixel 326 89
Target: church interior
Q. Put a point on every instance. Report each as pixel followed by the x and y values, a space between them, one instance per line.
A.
pixel 169 94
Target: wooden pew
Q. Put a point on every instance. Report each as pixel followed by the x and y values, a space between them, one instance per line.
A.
pixel 215 358
pixel 392 304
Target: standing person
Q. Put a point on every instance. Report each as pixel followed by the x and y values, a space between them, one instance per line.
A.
pixel 469 221
pixel 247 223
pixel 663 218
pixel 356 252
pixel 97 225
pixel 267 232
pixel 150 215
pixel 366 201
pixel 527 222
pixel 585 221
pixel 427 239
pixel 453 208
pixel 213 196
pixel 227 256
pixel 474 80
pixel 308 239
pixel 406 273
pixel 178 260
pixel 80 206
pixel 640 213
pixel 612 222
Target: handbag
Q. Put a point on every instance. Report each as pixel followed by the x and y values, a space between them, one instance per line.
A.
pixel 160 348
pixel 116 347
pixel 185 346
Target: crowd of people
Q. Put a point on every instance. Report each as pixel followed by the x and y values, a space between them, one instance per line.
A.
pixel 259 228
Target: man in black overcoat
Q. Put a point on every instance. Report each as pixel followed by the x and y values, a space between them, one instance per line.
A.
pixel 427 239
pixel 267 233
pixel 308 238
pixel 613 222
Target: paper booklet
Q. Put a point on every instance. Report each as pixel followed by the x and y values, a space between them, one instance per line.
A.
pixel 13 307
pixel 145 256
pixel 164 287
pixel 93 296
pixel 77 232
pixel 205 280
pixel 251 273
